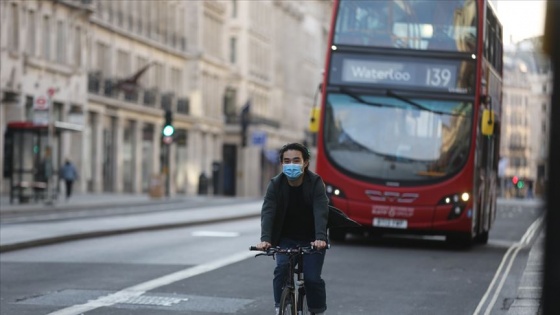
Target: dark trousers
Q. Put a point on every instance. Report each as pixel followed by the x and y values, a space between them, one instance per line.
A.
pixel 69 188
pixel 312 268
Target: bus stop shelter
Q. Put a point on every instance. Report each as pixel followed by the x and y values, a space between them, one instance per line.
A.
pixel 31 160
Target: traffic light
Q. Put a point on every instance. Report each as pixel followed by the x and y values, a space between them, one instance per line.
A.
pixel 517 182
pixel 168 129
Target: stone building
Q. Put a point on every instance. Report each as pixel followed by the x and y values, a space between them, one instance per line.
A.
pixel 205 61
pixel 43 51
pixel 526 117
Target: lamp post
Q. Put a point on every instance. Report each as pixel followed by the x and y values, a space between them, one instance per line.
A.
pixel 48 152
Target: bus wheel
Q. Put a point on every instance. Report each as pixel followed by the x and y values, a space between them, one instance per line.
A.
pixel 482 238
pixel 459 240
pixel 337 235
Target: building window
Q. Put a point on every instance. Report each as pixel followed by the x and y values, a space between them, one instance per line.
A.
pixel 120 15
pixel 46 38
pixel 58 111
pixel 139 16
pixel 140 63
pixel 13 32
pixel 78 46
pixel 29 108
pixel 158 76
pixel 176 81
pixel 130 13
pixel 123 60
pixel 233 50
pixel 60 42
pixel 103 59
pixel 31 33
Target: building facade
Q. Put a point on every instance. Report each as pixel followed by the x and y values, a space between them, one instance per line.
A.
pixel 526 117
pixel 43 62
pixel 205 61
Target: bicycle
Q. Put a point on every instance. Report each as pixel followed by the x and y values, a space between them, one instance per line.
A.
pixel 290 304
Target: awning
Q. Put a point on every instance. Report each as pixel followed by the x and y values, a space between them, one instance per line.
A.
pixel 31 126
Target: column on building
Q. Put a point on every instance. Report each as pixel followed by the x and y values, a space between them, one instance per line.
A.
pixel 97 176
pixel 172 152
pixel 156 140
pixel 118 156
pixel 195 155
pixel 137 154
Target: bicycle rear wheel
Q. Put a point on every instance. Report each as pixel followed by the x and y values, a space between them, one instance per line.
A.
pixel 287 302
pixel 302 303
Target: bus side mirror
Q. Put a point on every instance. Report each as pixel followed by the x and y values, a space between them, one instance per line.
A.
pixel 314 121
pixel 487 122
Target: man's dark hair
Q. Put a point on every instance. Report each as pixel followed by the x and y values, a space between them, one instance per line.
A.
pixel 294 146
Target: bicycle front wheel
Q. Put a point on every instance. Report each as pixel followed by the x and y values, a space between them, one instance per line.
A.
pixel 302 303
pixel 287 302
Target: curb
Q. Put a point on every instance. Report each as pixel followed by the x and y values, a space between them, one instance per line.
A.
pixel 80 236
pixel 54 209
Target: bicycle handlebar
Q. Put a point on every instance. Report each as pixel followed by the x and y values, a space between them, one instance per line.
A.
pixel 272 250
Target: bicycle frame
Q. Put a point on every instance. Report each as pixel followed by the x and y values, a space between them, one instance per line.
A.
pixel 298 303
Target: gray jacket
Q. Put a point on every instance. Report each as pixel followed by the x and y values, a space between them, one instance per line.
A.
pixel 276 201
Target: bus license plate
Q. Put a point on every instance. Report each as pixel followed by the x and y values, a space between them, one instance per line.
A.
pixel 390 223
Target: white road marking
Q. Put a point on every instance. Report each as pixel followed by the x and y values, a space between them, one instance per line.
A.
pixel 507 259
pixel 215 234
pixel 139 289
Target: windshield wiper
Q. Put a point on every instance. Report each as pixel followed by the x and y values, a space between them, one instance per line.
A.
pixel 421 107
pixel 361 100
pixel 408 101
pixel 399 97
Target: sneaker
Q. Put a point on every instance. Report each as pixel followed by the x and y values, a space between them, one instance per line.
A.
pixel 277 310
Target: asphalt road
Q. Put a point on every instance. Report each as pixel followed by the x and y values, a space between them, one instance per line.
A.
pixel 207 269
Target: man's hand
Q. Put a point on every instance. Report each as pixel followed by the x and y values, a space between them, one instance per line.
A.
pixel 263 245
pixel 319 244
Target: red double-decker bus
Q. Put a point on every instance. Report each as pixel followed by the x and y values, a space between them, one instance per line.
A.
pixel 408 137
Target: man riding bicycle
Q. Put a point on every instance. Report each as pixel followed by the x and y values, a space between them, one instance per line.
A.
pixel 295 213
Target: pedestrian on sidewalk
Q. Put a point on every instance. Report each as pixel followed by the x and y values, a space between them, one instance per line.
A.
pixel 69 174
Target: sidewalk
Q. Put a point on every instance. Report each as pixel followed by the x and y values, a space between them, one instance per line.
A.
pixel 187 210
pixel 528 299
pixel 85 201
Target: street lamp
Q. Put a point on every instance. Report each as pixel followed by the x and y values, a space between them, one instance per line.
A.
pixel 48 153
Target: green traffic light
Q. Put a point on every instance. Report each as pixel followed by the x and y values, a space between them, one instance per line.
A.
pixel 168 130
pixel 520 184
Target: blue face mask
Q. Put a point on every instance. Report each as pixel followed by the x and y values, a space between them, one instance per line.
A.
pixel 292 171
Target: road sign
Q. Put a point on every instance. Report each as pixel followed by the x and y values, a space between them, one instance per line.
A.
pixel 258 138
pixel 41 103
pixel 41 117
pixel 167 140
pixel 51 91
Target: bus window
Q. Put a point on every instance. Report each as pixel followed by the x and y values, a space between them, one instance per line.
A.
pixel 423 25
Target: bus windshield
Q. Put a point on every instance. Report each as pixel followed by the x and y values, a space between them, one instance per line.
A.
pixel 394 139
pixel 408 24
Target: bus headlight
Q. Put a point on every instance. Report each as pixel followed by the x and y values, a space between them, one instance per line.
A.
pixel 457 203
pixel 334 191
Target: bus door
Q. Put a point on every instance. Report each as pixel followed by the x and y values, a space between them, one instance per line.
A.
pixel 487 164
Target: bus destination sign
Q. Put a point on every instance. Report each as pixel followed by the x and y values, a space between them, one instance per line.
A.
pixel 419 73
